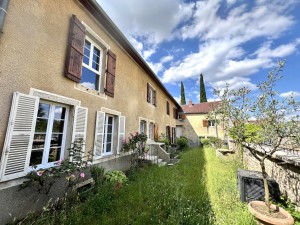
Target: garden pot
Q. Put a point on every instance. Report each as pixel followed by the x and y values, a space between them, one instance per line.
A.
pixel 278 215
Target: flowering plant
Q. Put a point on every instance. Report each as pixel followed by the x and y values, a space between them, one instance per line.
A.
pixel 73 169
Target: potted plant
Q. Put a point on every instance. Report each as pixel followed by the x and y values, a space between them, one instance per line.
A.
pixel 262 122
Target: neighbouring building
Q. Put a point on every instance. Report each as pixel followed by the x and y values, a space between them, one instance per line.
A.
pixel 67 72
pixel 198 121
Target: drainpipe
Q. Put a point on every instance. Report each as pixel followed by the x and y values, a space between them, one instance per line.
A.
pixel 3 9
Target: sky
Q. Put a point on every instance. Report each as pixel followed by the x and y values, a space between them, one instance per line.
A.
pixel 229 41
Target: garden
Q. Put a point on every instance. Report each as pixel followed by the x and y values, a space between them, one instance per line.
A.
pixel 200 189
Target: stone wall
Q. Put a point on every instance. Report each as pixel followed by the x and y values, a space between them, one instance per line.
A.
pixel 284 172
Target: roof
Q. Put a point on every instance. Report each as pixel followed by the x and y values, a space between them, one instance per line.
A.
pixel 200 108
pixel 94 8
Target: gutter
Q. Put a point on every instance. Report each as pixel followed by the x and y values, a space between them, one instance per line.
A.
pixel 3 12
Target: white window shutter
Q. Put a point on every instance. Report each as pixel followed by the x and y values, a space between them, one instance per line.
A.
pixel 121 134
pixel 80 124
pixel 19 136
pixel 99 135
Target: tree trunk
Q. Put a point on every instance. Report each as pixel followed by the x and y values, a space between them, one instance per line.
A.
pixel 266 186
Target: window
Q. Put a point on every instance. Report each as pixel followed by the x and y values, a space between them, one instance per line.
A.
pixel 49 135
pixel 108 135
pixel 143 125
pixel 91 65
pixel 151 131
pixel 151 95
pixel 168 108
pixel 175 113
pixel 211 123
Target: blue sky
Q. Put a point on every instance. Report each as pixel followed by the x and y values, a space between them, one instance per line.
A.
pixel 228 41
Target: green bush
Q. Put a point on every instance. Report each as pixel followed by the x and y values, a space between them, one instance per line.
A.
pixel 216 141
pixel 116 176
pixel 97 174
pixel 182 142
pixel 205 141
pixel 165 141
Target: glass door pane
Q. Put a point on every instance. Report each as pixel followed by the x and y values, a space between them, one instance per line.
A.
pixel 108 141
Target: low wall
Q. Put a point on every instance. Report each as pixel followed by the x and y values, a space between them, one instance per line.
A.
pixel 285 171
pixel 15 203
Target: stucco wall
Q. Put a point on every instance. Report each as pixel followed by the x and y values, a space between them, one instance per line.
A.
pixel 32 55
pixel 195 121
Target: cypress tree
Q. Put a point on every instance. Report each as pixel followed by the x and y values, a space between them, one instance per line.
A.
pixel 202 90
pixel 182 94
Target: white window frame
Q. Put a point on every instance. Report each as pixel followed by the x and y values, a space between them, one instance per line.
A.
pixel 211 122
pixel 151 93
pixel 142 121
pixel 104 153
pixel 151 131
pixel 46 151
pixel 90 65
pixel 147 127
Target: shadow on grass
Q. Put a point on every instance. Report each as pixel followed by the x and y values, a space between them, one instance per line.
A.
pixel 164 195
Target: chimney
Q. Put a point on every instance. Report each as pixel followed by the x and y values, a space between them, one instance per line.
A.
pixel 190 103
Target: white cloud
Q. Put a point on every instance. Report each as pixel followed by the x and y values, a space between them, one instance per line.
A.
pixel 156 67
pixel 166 59
pixel 281 51
pixel 290 94
pixel 235 83
pixel 88 85
pixel 221 54
pixel 155 21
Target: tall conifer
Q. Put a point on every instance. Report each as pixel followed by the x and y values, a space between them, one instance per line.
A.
pixel 202 90
pixel 182 95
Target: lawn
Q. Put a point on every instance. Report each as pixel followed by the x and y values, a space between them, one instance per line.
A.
pixel 200 189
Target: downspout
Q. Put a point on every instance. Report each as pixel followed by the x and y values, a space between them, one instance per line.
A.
pixel 3 9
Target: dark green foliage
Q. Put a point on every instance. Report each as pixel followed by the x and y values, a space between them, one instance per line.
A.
pixel 97 174
pixel 182 142
pixel 182 95
pixel 217 142
pixel 202 90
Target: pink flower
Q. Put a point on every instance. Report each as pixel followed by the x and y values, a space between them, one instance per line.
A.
pixel 39 173
pixel 82 175
pixel 136 133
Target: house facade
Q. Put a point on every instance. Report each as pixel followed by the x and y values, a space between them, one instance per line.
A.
pixel 67 72
pixel 197 120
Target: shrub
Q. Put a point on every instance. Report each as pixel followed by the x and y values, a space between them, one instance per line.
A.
pixel 205 141
pixel 182 142
pixel 116 177
pixel 217 142
pixel 97 174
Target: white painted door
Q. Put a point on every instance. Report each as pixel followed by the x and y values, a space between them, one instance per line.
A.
pixel 178 131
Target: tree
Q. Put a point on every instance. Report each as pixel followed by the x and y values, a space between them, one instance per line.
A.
pixel 202 90
pixel 182 94
pixel 276 120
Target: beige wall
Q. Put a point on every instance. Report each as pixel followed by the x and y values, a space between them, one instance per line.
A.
pixel 195 121
pixel 32 55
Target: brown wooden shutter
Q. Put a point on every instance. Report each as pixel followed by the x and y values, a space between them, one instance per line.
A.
pixel 148 93
pixel 75 50
pixel 205 123
pixel 154 97
pixel 168 133
pixel 168 108
pixel 110 74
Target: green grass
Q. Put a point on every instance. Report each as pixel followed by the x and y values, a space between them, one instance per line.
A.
pixel 200 189
pixel 222 189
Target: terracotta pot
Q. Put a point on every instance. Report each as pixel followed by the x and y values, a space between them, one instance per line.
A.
pixel 268 220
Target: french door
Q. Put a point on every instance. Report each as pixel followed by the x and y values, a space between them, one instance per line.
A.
pixel 108 135
pixel 49 136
